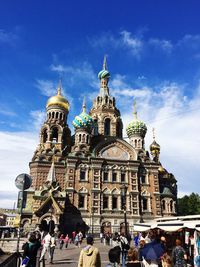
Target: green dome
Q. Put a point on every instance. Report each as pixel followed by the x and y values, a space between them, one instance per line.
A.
pixel 167 192
pixel 136 127
pixel 83 121
pixel 104 74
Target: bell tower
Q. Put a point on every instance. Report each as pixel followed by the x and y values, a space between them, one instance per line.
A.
pixel 107 118
pixel 54 137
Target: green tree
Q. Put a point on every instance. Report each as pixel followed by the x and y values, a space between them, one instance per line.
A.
pixel 189 205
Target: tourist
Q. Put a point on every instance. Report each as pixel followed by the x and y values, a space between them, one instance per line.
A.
pixel 89 256
pixel 30 250
pixel 114 257
pixel 179 255
pixel 80 238
pixel 166 259
pixel 46 242
pixel 133 258
pixel 61 241
pixel 66 240
pixel 101 235
pixel 116 240
pixel 52 247
pixel 124 248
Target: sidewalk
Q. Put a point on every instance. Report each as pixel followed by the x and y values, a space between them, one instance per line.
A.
pixel 69 256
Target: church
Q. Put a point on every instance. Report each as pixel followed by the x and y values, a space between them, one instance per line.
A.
pixel 95 180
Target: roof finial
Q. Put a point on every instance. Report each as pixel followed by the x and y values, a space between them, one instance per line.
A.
pixel 59 87
pixel 105 63
pixel 135 109
pixel 153 130
pixel 84 105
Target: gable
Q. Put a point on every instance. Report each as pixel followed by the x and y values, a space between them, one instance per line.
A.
pixel 116 149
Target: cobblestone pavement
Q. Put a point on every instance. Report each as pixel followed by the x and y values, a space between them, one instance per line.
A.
pixel 68 257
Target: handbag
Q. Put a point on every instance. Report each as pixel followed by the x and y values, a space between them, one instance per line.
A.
pixel 25 261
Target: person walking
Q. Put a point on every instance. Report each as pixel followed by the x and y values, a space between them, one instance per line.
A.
pixel 66 241
pixel 46 241
pixel 61 241
pixel 52 247
pixel 124 248
pixel 179 255
pixel 30 250
pixel 89 256
pixel 114 257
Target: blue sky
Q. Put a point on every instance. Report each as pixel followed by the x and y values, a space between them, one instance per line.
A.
pixel 153 53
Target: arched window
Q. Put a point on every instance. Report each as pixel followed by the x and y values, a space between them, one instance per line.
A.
pixel 135 143
pixel 105 202
pixel 53 115
pixel 95 127
pixel 107 127
pixel 56 115
pixel 83 138
pixel 79 139
pixel 44 135
pixel 119 129
pixel 163 204
pixel 87 139
pixel 55 134
pixel 171 205
pixel 114 202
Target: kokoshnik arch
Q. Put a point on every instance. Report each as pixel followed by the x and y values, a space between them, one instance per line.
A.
pixel 77 179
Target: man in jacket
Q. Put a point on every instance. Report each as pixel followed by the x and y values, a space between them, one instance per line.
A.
pixel 89 256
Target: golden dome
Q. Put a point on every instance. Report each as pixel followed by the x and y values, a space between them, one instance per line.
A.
pixel 58 100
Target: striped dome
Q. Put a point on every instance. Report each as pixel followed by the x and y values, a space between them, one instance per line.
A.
pixel 104 74
pixel 136 127
pixel 83 121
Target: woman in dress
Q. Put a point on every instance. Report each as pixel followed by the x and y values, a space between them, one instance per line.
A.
pixel 179 255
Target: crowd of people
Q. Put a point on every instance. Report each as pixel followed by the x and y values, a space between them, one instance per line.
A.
pixel 132 251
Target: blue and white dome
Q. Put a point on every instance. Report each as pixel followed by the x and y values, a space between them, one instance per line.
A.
pixel 83 121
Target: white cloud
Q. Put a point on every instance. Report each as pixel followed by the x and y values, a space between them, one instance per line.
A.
pixel 38 117
pixel 165 45
pixel 46 87
pixel 135 44
pixel 15 154
pixel 8 37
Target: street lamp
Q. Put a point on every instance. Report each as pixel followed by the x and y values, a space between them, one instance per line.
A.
pixel 123 195
pixel 141 173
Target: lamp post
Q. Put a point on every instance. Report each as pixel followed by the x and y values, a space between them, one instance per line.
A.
pixel 123 195
pixel 141 172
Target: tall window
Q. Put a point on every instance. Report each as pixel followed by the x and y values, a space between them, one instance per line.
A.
pixel 105 176
pixel 114 177
pixel 114 202
pixel 45 136
pixel 107 127
pixel 122 177
pixel 105 202
pixel 82 175
pixel 144 200
pixel 95 127
pixel 81 200
pixel 163 204
pixel 55 134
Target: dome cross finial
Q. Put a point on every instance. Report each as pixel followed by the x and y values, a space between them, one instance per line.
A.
pixel 153 131
pixel 135 109
pixel 105 63
pixel 84 105
pixel 59 87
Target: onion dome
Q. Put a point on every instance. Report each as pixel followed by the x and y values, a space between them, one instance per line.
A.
pixel 136 127
pixel 154 147
pixel 104 73
pixel 83 121
pixel 58 100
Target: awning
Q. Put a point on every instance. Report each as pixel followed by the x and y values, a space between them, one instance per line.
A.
pixel 141 227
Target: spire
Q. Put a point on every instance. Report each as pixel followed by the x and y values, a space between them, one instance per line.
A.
pixel 84 105
pixel 153 131
pixel 105 63
pixel 51 175
pixel 59 87
pixel 135 110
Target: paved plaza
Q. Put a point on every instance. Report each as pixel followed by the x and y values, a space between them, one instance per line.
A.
pixel 69 256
